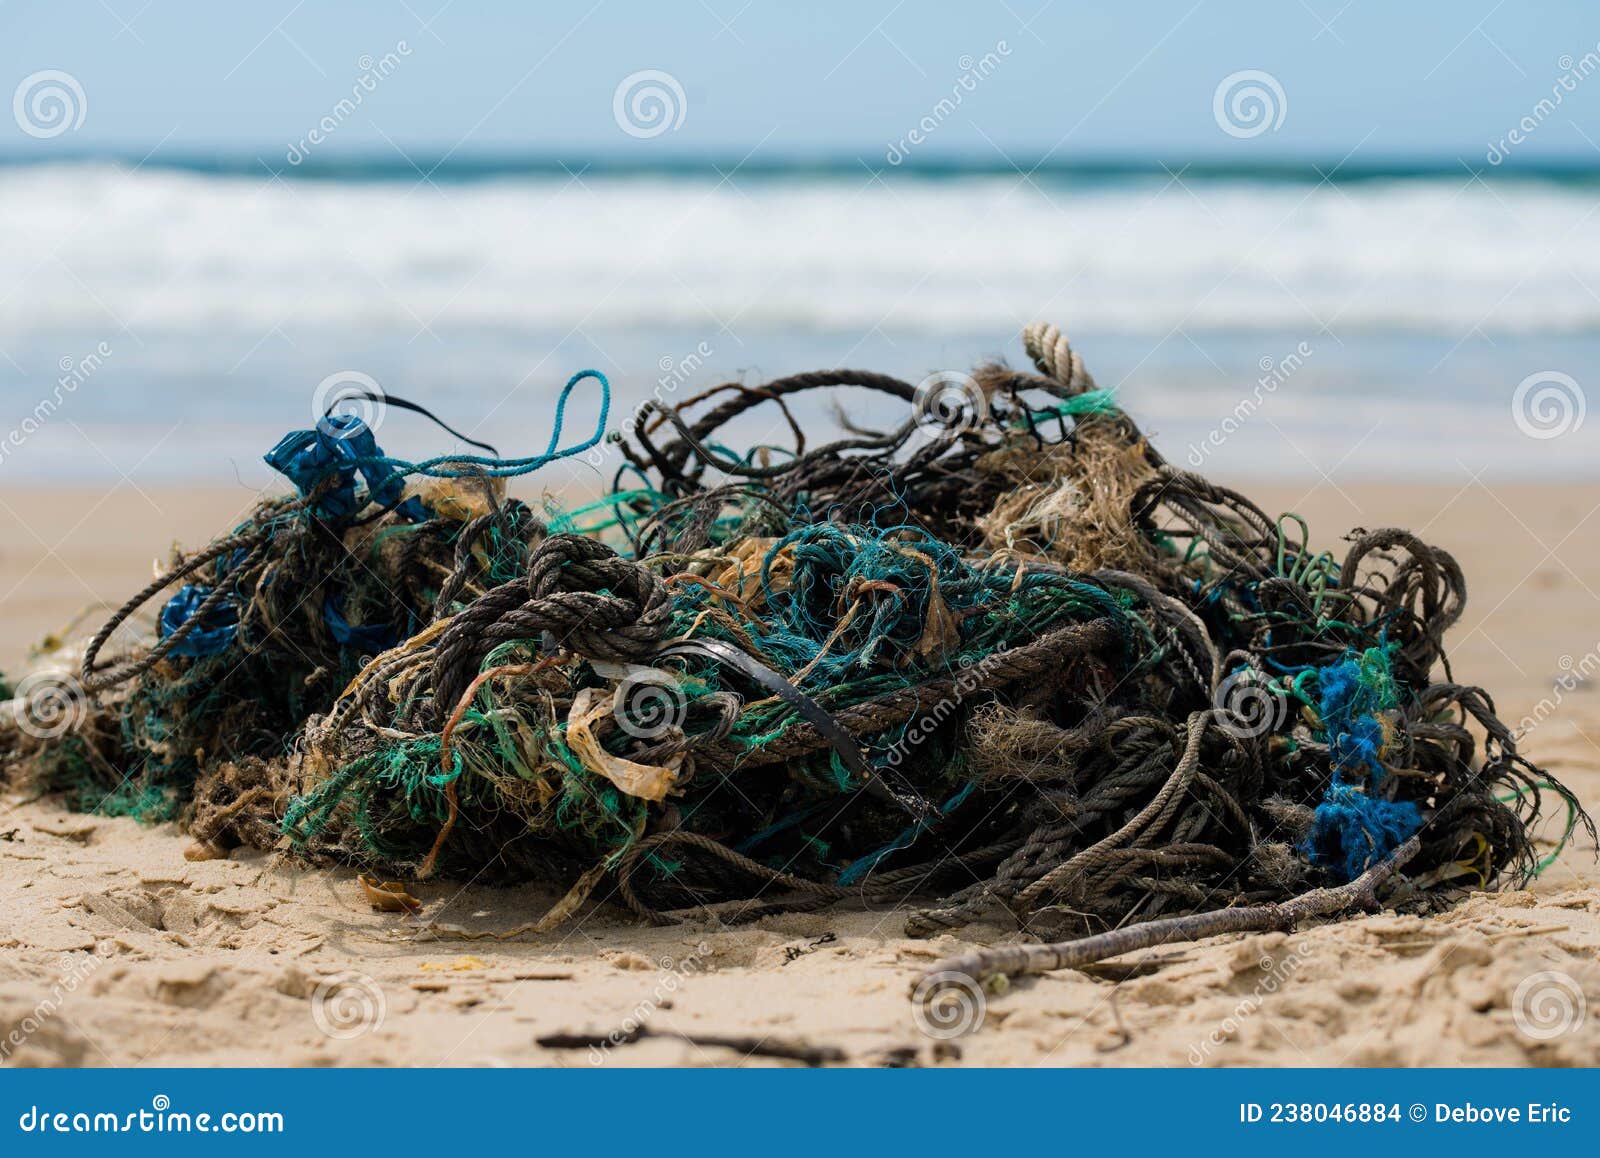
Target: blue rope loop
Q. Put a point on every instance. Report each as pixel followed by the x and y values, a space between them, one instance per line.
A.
pixel 342 446
pixel 461 466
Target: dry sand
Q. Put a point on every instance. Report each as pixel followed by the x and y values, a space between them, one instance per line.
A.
pixel 115 950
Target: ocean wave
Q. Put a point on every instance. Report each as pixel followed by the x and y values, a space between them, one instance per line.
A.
pixel 170 252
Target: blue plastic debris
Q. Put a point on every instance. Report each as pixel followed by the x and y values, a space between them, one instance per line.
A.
pixel 341 446
pixel 368 638
pixel 212 636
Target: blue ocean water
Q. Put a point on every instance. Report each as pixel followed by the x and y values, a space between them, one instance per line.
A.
pixel 168 318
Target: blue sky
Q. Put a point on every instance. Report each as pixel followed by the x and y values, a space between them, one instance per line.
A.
pixel 1076 80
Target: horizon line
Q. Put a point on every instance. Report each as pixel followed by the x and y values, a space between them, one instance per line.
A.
pixel 378 165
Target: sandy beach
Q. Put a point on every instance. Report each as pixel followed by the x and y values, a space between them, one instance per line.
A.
pixel 116 950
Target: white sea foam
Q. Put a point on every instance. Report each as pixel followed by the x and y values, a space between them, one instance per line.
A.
pixel 172 251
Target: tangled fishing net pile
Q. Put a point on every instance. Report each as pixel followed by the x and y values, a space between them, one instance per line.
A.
pixel 1000 660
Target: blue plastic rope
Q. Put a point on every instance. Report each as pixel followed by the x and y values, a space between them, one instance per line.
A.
pixel 450 465
pixel 1355 827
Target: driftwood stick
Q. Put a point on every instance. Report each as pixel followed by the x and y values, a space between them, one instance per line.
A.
pixel 1012 960
pixel 811 1055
